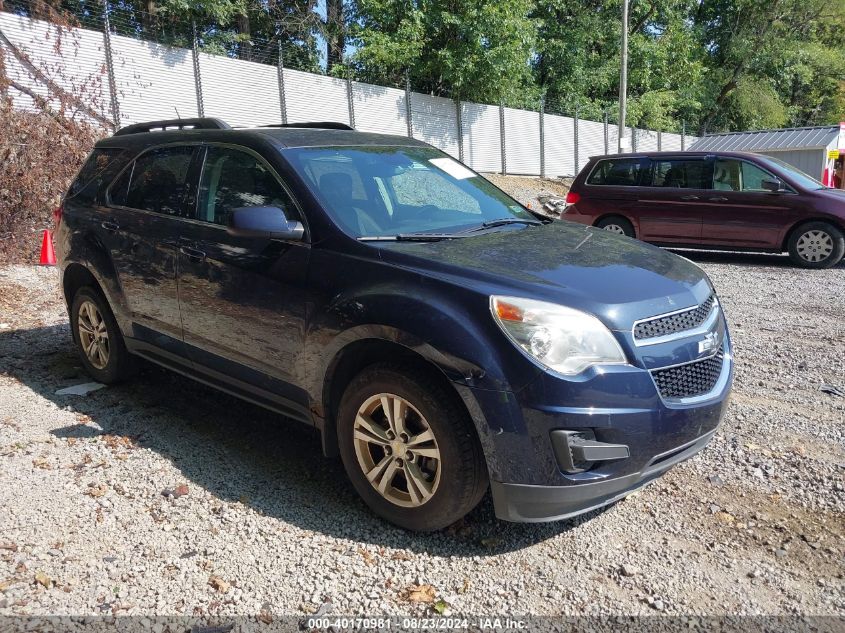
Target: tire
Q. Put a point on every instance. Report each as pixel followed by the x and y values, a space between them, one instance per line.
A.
pixel 451 485
pixel 89 313
pixel 616 224
pixel 816 245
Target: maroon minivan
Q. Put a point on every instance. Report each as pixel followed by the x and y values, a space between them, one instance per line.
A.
pixel 714 200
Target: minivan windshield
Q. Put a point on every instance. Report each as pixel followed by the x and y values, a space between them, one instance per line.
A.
pixel 799 177
pixel 390 191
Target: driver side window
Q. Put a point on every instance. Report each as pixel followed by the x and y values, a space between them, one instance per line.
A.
pixel 233 178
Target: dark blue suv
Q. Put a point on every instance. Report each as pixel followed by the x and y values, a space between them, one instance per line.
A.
pixel 439 335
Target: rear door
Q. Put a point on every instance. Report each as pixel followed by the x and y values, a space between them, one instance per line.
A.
pixel 669 206
pixel 612 187
pixel 243 299
pixel 740 212
pixel 148 217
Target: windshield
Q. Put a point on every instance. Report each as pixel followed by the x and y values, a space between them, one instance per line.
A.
pixel 799 177
pixel 382 191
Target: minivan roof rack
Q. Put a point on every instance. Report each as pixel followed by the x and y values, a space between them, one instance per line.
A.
pixel 319 125
pixel 204 123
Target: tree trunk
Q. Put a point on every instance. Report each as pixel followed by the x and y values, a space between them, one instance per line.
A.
pixel 335 33
pixel 245 37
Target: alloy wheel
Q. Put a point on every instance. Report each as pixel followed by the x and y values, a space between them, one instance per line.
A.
pixel 93 335
pixel 397 450
pixel 814 246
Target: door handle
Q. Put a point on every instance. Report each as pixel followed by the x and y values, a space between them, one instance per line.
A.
pixel 689 197
pixel 718 199
pixel 192 253
pixel 111 227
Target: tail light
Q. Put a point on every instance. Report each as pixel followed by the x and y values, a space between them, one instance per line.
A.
pixel 573 197
pixel 57 216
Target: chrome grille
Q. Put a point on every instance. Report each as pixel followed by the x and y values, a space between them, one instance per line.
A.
pixel 690 380
pixel 672 323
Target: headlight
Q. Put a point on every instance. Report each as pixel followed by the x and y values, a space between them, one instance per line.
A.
pixel 566 341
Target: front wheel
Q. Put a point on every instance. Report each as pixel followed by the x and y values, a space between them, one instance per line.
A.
pixel 409 448
pixel 616 224
pixel 816 245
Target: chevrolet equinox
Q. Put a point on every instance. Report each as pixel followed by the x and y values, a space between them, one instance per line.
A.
pixel 439 336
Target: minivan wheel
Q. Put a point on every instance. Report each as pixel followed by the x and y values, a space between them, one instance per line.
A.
pixel 409 449
pixel 616 224
pixel 816 245
pixel 98 338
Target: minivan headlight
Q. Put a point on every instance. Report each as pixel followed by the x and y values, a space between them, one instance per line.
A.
pixel 564 340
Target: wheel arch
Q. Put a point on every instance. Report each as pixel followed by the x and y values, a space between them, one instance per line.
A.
pixel 616 214
pixel 352 359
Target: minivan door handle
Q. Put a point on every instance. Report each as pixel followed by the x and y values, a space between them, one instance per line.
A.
pixel 718 199
pixel 689 197
pixel 111 227
pixel 192 253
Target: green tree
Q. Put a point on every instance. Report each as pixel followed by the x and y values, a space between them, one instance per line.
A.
pixel 466 49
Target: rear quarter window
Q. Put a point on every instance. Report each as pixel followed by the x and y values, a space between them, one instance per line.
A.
pixel 94 169
pixel 619 172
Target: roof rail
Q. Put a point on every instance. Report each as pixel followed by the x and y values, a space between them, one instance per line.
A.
pixel 320 125
pixel 206 123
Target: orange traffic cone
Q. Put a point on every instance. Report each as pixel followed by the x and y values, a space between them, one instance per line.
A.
pixel 48 253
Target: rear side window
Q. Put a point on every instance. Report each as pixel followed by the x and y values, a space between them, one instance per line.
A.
pixel 622 172
pixel 94 166
pixel 156 181
pixel 680 174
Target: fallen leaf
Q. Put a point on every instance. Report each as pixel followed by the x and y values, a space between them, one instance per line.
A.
pixel 42 463
pixel 12 547
pixel 96 490
pixel 465 587
pixel 181 490
pixel 6 584
pixel 219 584
pixel 441 606
pixel 43 579
pixel 421 593
pixel 71 441
pixel 491 542
pixel 402 556
pixel 724 517
pixel 368 557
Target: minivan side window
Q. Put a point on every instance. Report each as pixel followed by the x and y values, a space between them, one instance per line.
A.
pixel 680 173
pixel 619 172
pixel 233 178
pixel 156 181
pixel 739 175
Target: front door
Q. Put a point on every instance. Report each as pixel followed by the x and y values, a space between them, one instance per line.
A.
pixel 243 299
pixel 669 207
pixel 147 217
pixel 741 212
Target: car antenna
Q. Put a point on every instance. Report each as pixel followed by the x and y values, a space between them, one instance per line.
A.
pixel 177 112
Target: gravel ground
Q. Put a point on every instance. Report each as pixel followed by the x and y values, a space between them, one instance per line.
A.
pixel 166 497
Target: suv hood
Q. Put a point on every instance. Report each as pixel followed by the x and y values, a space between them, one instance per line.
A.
pixel 617 278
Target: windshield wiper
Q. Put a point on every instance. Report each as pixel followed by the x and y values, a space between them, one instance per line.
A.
pixel 410 237
pixel 501 222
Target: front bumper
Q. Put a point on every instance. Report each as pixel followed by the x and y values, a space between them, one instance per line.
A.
pixel 531 504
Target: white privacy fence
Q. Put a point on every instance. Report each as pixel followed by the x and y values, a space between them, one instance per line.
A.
pixel 123 80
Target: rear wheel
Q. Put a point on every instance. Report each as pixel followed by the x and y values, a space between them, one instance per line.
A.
pixel 616 224
pixel 816 245
pixel 98 338
pixel 409 448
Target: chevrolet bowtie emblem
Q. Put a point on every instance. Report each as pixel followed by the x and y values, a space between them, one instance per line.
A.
pixel 709 343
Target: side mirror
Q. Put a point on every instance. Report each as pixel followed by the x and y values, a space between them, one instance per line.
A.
pixel 773 185
pixel 267 222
